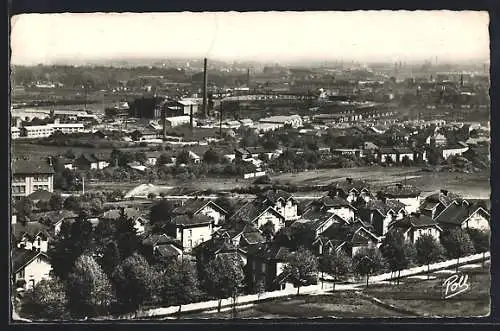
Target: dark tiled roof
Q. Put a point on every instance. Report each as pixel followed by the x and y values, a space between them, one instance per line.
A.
pixel 115 214
pixel 395 205
pixel 53 216
pixel 361 236
pixel 157 239
pixel 269 252
pixel 40 195
pixel 415 221
pixel 444 198
pixel 26 167
pixel 21 257
pixel 31 229
pixel 250 211
pixel 379 205
pixel 192 206
pixel 457 213
pixel 330 202
pixel 315 219
pixel 274 195
pixel 168 250
pixel 254 237
pixel 187 220
pixel 401 191
pixel 350 184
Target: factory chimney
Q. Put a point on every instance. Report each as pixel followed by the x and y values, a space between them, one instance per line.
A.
pixel 164 120
pixel 205 87
pixel 248 77
pixel 191 117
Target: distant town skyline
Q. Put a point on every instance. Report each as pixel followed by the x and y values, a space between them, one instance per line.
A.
pixel 365 36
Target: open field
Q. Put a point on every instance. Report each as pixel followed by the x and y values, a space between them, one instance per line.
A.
pixel 346 304
pixel 423 296
pixel 469 185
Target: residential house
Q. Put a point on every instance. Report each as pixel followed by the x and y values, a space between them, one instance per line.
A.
pixel 295 121
pixel 194 157
pixel 416 225
pixel 458 149
pixel 387 155
pixel 259 214
pixel 377 214
pixel 336 205
pixel 283 202
pixel 29 176
pixel 435 203
pixel 351 190
pixel 54 219
pixel 403 153
pixel 200 206
pixel 88 161
pixel 152 158
pixel 362 238
pixel 266 265
pixel 138 217
pixel 356 152
pixel 406 194
pixel 31 236
pixel 320 221
pixel 465 215
pixel 161 247
pixel 190 230
pixel 29 267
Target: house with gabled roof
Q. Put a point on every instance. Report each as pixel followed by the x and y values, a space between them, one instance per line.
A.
pixel 406 194
pixel 138 217
pixel 336 205
pixel 465 215
pixel 416 225
pixel 190 230
pixel 29 267
pixel 434 204
pixel 54 219
pixel 363 238
pixel 351 189
pixel 161 246
pixel 259 214
pixel 378 214
pixel 320 221
pixel 200 206
pixel 87 161
pixel 282 201
pixel 266 264
pixel 31 236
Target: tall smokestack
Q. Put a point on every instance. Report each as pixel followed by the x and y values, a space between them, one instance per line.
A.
pixel 205 87
pixel 248 77
pixel 191 117
pixel 164 120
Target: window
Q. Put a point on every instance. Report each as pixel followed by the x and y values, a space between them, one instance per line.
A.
pixel 21 273
pixel 190 243
pixel 39 242
pixel 190 233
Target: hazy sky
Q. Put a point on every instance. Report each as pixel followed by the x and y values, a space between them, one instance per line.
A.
pixel 266 36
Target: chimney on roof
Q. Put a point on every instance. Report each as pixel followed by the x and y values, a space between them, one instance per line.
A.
pixel 444 192
pixel 349 180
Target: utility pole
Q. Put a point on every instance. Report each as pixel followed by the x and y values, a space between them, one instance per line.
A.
pixel 220 119
pixel 83 185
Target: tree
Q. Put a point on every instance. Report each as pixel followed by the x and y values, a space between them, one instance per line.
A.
pixel 301 235
pixel 180 283
pixel 301 267
pixel 24 207
pixel 224 277
pixel 337 264
pixel 89 290
pixel 397 253
pixel 56 202
pixel 69 154
pixel 429 250
pixel 366 262
pixel 183 157
pixel 225 204
pixel 72 203
pixel 160 213
pixel 164 159
pixel 268 230
pixel 126 235
pixel 47 299
pixel 480 240
pixel 110 258
pixel 134 280
pixel 211 156
pixel 141 157
pixel 72 241
pixel 457 243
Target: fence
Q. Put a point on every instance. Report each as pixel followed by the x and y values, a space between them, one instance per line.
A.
pixel 214 304
pixel 246 299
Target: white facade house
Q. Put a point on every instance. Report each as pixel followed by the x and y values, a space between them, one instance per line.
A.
pixel 295 121
pixel 175 121
pixel 30 267
pixel 15 132
pixel 458 150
